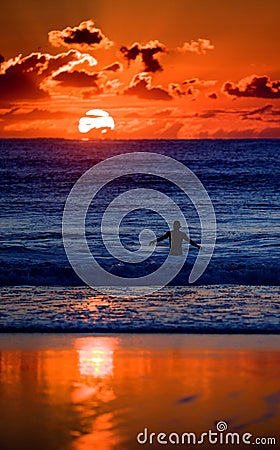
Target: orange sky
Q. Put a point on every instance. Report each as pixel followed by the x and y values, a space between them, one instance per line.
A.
pixel 162 69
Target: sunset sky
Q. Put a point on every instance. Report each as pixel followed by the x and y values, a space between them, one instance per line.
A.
pixel 162 69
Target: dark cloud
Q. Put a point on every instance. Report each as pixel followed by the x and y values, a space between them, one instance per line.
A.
pixel 192 81
pixel 131 53
pixel 114 67
pixel 141 87
pixel 21 80
pixel 24 77
pixel 10 112
pixel 147 53
pixel 207 114
pixel 253 86
pixel 252 118
pixel 213 95
pixel 78 79
pixel 262 110
pixel 84 36
pixel 264 114
pixel 151 64
pixel 2 59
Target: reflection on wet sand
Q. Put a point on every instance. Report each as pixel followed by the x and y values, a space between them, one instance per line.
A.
pixel 96 356
pixel 98 392
pixel 94 393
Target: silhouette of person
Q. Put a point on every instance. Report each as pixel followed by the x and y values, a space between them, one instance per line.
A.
pixel 176 238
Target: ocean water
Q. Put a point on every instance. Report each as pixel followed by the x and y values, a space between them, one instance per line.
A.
pixel 240 176
pixel 198 309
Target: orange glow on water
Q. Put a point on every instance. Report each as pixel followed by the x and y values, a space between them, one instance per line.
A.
pixel 96 357
pixel 98 392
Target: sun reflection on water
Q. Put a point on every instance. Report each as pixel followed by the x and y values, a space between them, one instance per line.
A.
pixel 93 393
pixel 96 356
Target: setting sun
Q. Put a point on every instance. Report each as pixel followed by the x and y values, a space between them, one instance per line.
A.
pixel 96 119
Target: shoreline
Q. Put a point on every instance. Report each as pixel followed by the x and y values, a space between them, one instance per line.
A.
pixel 109 331
pixel 151 340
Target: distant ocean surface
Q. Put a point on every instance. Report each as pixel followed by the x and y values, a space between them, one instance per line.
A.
pixel 242 178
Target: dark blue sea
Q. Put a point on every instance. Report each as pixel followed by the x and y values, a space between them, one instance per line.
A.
pixel 239 291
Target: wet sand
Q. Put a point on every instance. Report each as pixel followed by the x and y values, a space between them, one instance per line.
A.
pixel 87 392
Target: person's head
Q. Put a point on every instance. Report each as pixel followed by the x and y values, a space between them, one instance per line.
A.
pixel 176 225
